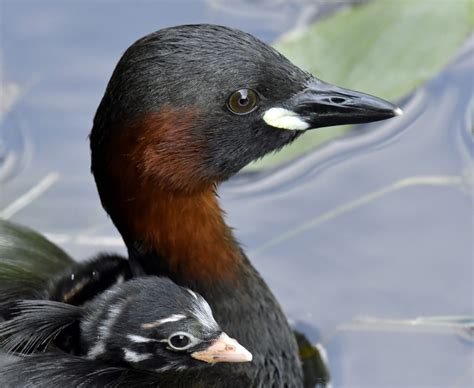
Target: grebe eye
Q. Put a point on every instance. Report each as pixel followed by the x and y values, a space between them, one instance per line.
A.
pixel 179 341
pixel 243 101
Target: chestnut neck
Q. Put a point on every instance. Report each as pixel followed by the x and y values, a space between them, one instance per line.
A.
pixel 152 183
pixel 187 232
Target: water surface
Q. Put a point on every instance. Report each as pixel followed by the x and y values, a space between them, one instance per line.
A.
pixel 357 238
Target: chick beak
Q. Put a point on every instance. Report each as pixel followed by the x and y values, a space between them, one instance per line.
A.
pixel 223 349
pixel 321 105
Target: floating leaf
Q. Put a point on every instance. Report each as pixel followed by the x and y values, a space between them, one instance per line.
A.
pixel 385 47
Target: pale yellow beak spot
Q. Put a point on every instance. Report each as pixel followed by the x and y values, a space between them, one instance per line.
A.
pixel 284 119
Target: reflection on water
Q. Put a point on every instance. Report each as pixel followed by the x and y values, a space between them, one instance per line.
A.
pixel 15 147
pixel 359 239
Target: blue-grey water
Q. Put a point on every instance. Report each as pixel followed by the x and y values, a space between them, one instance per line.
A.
pixel 358 238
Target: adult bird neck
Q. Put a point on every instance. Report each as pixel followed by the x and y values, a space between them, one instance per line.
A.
pixel 152 182
pixel 187 235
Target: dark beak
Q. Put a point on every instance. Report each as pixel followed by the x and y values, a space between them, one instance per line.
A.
pixel 321 105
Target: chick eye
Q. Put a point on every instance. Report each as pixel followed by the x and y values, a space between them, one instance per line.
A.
pixel 180 341
pixel 242 101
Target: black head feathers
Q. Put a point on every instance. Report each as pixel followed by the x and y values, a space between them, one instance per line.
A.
pixel 239 97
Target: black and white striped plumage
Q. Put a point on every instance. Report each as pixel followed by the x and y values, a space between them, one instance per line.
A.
pixel 148 328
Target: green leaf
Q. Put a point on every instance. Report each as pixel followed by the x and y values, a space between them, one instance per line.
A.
pixel 385 47
pixel 27 260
